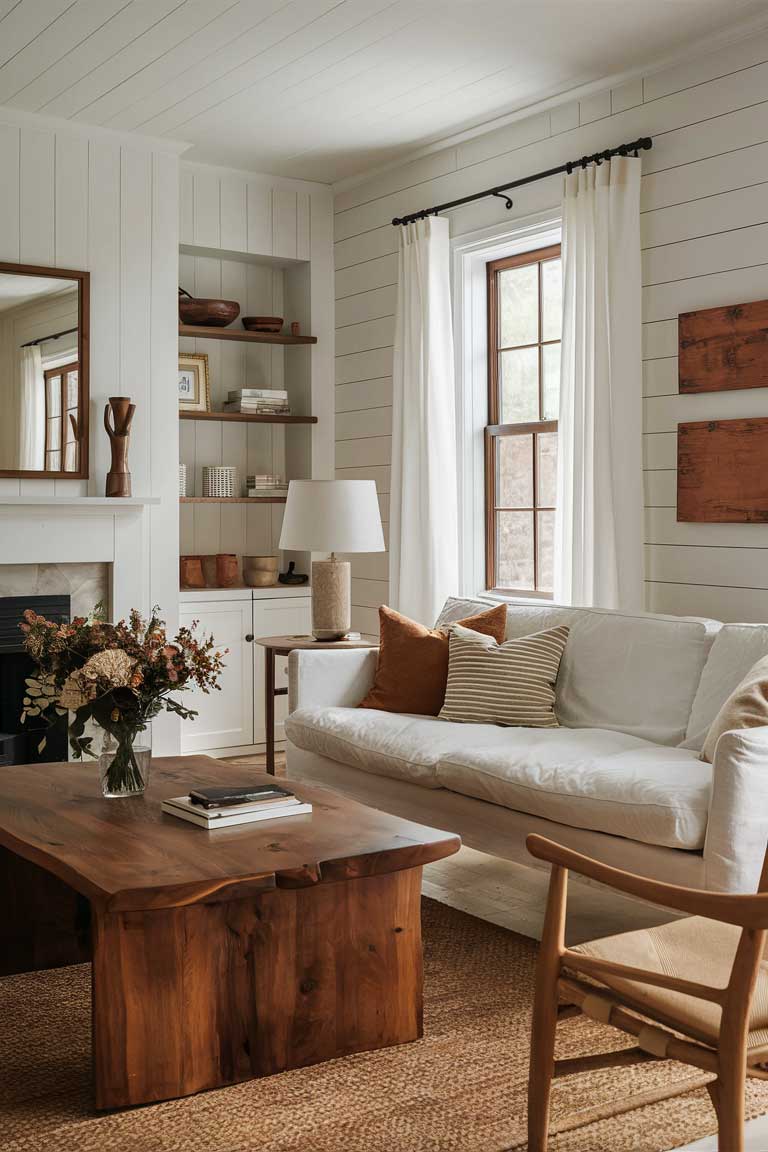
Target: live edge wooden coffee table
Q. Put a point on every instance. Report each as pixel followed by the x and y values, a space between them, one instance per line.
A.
pixel 217 956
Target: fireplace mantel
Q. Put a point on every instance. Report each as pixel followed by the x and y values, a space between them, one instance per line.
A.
pixel 40 529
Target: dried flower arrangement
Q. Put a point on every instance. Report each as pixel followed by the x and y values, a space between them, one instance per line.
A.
pixel 118 675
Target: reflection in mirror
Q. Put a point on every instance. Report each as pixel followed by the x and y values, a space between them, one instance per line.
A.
pixel 43 397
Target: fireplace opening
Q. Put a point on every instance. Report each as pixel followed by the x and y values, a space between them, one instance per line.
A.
pixel 19 742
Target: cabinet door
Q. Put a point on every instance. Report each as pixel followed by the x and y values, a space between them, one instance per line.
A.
pixel 225 718
pixel 275 618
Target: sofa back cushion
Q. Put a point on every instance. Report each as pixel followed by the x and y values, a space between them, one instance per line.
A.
pixel 736 649
pixel 636 673
pixel 522 619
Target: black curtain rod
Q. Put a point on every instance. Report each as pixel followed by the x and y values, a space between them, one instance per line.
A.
pixel 53 336
pixel 634 147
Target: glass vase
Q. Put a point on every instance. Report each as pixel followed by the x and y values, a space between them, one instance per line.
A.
pixel 124 761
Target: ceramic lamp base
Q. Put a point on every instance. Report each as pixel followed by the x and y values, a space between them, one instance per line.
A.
pixel 331 599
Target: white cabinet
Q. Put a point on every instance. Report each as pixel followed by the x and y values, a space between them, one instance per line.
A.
pixel 233 719
pixel 225 718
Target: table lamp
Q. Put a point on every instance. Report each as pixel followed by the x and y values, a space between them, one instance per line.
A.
pixel 332 516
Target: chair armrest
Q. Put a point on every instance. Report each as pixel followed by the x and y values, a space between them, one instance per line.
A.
pixel 743 910
pixel 737 825
pixel 330 679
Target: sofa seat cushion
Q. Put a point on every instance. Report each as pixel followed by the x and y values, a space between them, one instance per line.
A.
pixel 386 743
pixel 590 778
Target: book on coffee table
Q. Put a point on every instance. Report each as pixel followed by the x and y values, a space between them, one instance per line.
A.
pixel 183 807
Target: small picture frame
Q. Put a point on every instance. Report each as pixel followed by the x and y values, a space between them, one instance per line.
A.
pixel 194 386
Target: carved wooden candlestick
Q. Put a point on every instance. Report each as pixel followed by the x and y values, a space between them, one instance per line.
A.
pixel 118 477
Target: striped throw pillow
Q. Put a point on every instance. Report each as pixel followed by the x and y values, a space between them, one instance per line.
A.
pixel 511 683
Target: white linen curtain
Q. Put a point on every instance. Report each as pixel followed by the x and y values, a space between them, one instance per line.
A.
pixel 31 409
pixel 423 519
pixel 599 521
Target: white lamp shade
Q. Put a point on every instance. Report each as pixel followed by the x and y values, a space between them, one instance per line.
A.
pixel 332 516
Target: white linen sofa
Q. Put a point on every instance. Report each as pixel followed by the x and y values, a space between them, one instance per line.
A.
pixel 620 779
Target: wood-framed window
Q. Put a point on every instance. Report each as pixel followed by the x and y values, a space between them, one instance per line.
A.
pixel 524 332
pixel 62 403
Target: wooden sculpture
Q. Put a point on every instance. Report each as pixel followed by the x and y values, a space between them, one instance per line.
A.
pixel 118 477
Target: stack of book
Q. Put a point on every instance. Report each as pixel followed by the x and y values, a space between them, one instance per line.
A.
pixel 265 485
pixel 258 401
pixel 265 805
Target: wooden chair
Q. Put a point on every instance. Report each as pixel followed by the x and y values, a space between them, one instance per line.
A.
pixel 701 977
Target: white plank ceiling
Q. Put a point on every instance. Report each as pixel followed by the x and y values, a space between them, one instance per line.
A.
pixel 323 89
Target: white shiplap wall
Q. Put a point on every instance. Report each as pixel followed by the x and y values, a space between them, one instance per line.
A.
pixel 88 199
pixel 705 243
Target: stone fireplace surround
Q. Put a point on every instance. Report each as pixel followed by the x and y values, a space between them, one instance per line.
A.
pixel 85 584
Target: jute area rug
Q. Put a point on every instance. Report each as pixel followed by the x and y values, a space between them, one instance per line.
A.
pixel 463 1087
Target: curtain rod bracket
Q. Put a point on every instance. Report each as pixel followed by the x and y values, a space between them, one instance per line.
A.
pixel 508 203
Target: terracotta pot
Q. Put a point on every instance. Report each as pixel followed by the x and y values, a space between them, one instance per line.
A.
pixel 260 571
pixel 209 571
pixel 191 572
pixel 210 313
pixel 227 570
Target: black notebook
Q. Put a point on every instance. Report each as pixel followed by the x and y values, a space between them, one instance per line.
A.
pixel 247 794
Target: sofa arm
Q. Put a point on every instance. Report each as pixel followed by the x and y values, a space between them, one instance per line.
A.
pixel 330 679
pixel 737 828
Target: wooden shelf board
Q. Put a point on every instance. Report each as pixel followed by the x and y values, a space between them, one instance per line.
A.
pixel 202 333
pixel 255 500
pixel 247 417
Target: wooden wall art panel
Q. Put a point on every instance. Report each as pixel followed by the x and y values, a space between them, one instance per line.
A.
pixel 724 348
pixel 722 471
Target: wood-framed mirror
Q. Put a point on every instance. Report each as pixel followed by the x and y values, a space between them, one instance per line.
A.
pixel 43 372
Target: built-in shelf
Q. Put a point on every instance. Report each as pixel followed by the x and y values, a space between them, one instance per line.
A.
pixel 247 417
pixel 255 500
pixel 203 333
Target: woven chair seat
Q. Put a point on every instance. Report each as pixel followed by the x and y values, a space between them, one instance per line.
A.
pixel 693 949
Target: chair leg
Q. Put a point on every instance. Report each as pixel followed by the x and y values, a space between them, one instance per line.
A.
pixel 545 1006
pixel 728 1096
pixel 714 1095
pixel 543 1029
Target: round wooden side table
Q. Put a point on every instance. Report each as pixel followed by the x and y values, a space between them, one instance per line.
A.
pixel 275 646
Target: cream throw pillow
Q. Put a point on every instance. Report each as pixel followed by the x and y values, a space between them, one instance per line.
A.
pixel 746 707
pixel 511 683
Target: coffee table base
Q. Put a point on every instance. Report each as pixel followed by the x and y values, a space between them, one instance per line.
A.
pixel 192 998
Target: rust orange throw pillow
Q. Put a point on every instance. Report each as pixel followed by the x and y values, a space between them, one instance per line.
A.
pixel 413 661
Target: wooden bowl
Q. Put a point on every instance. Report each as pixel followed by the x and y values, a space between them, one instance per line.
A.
pixel 260 571
pixel 263 323
pixel 208 313
pixel 261 580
